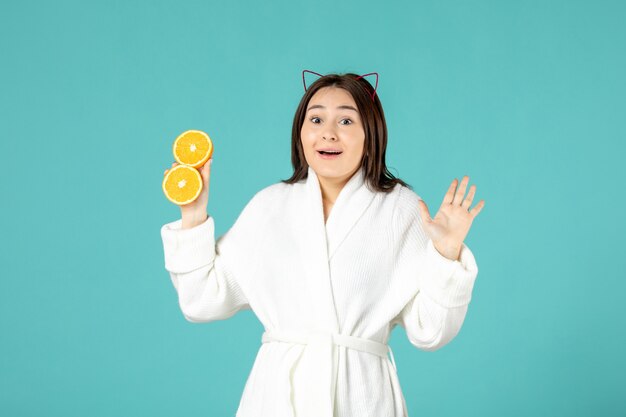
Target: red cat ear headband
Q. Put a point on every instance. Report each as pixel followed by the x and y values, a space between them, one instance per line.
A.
pixel 360 76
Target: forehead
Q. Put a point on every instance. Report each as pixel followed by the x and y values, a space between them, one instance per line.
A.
pixel 332 97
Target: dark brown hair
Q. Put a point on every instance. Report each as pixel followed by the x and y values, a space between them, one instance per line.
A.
pixel 371 112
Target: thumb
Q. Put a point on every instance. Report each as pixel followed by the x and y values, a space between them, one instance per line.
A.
pixel 424 213
pixel 206 170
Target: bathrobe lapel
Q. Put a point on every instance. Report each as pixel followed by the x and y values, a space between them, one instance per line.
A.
pixel 350 205
pixel 314 384
pixel 325 239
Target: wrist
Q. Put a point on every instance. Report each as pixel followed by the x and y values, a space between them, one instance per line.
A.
pixel 452 253
pixel 193 220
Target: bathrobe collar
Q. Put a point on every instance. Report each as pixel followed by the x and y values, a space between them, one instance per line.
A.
pixel 320 357
pixel 323 240
pixel 350 204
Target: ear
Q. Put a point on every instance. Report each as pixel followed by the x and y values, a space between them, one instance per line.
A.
pixel 376 86
pixel 304 82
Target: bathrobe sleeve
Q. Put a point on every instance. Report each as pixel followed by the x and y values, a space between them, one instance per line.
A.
pixel 435 313
pixel 206 273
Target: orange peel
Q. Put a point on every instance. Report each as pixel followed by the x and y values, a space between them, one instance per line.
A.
pixel 193 148
pixel 182 184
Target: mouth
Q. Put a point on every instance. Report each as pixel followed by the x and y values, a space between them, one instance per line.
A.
pixel 328 154
pixel 329 151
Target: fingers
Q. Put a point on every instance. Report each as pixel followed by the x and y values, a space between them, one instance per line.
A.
pixel 470 196
pixel 206 170
pixel 458 197
pixel 474 212
pixel 173 165
pixel 447 199
pixel 467 202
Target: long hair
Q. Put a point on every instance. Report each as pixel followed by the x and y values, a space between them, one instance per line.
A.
pixel 376 173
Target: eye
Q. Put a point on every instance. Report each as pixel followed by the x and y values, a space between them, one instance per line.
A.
pixel 347 120
pixel 313 118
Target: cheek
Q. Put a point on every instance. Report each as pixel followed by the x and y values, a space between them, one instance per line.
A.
pixel 359 147
pixel 306 138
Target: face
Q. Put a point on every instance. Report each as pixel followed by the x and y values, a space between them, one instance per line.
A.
pixel 332 122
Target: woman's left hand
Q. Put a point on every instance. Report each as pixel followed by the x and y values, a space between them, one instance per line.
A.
pixel 453 220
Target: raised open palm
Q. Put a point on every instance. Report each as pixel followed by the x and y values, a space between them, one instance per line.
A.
pixel 452 222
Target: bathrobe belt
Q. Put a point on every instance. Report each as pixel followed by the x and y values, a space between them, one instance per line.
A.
pixel 318 397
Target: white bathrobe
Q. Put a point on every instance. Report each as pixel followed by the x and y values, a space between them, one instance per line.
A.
pixel 328 294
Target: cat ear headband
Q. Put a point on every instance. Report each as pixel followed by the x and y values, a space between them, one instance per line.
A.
pixel 360 76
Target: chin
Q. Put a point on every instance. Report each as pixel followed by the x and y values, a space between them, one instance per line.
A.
pixel 331 171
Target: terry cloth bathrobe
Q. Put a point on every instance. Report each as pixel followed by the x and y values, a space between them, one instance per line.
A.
pixel 328 294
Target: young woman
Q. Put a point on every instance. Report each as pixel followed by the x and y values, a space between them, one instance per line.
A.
pixel 330 261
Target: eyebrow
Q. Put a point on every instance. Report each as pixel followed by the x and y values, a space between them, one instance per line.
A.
pixel 346 107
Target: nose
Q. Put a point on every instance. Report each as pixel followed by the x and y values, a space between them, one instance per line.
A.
pixel 329 136
pixel 328 132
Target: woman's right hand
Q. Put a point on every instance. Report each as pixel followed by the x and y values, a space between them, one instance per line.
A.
pixel 195 212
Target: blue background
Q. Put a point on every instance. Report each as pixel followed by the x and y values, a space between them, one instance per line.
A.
pixel 527 98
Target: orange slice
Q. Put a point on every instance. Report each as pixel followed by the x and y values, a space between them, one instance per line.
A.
pixel 182 184
pixel 193 147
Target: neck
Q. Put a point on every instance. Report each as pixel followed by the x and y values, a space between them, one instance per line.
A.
pixel 331 187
